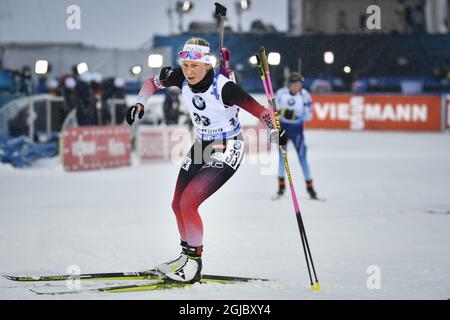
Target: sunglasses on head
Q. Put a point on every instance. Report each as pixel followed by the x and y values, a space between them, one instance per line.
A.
pixel 295 80
pixel 190 55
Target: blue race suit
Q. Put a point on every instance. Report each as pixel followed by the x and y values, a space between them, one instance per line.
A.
pixel 293 111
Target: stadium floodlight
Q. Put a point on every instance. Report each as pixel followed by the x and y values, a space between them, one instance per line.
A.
pixel 328 57
pixel 155 61
pixel 187 5
pixel 245 4
pixel 41 67
pixel 274 58
pixel 241 6
pixel 213 60
pixel 82 67
pixel 136 70
pixel 253 60
pixel 184 6
pixel 347 69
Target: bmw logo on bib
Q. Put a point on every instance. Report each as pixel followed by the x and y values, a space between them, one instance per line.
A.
pixel 198 102
pixel 291 102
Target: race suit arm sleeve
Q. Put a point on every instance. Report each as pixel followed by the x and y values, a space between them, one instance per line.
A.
pixel 168 77
pixel 232 94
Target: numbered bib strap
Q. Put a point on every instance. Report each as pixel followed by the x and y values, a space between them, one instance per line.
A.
pixel 234 153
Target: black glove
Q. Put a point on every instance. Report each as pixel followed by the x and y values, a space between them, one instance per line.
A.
pixel 278 136
pixel 164 76
pixel 131 113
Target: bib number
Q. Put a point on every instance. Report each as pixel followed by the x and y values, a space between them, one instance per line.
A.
pixel 201 120
pixel 233 153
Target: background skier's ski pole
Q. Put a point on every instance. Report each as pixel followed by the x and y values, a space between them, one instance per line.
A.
pixel 264 71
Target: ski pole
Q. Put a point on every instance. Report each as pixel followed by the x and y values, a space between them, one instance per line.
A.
pixel 220 13
pixel 299 219
pixel 264 71
pixel 224 53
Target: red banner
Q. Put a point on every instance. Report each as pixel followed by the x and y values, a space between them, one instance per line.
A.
pixel 376 112
pixel 94 148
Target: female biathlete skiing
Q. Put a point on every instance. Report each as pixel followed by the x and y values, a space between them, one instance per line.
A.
pixel 294 103
pixel 213 101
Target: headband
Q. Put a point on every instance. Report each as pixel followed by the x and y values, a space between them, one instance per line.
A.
pixel 194 52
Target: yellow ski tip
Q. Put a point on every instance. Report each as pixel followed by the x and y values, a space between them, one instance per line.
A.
pixel 315 287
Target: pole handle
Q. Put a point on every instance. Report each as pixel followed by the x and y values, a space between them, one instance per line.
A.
pixel 264 59
pixel 260 67
pixel 220 10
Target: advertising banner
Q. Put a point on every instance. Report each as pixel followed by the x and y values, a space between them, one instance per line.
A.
pixel 376 112
pixel 96 147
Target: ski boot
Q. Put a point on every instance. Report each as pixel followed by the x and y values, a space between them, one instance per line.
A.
pixel 310 188
pixel 187 268
pixel 281 187
pixel 169 266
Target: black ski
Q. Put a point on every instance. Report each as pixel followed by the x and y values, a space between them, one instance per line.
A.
pixel 152 274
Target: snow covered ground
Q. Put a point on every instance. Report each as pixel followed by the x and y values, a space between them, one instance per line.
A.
pixel 387 205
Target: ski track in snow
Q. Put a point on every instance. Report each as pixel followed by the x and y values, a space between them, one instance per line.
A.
pixel 387 205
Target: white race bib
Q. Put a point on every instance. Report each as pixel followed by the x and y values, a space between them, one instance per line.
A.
pixel 233 153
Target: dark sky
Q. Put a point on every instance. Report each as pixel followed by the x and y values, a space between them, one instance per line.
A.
pixel 117 23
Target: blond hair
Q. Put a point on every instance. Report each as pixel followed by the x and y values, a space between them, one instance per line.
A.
pixel 198 41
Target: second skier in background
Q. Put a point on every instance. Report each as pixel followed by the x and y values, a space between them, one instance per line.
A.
pixel 294 103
